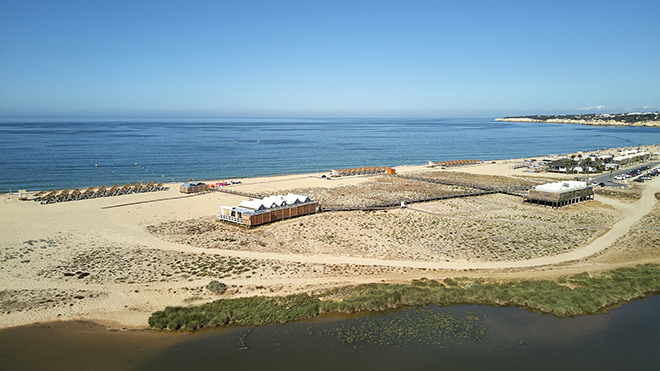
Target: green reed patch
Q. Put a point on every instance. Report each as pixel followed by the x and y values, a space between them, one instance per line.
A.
pixel 578 294
pixel 254 310
pixel 422 326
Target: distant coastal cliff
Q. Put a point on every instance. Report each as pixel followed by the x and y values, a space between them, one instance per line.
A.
pixel 649 119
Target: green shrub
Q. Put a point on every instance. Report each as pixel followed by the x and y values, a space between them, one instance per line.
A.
pixel 216 287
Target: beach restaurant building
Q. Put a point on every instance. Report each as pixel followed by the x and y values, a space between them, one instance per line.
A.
pixel 267 210
pixel 630 156
pixel 560 193
pixel 194 187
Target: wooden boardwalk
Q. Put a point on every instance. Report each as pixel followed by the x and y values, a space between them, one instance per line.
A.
pixel 479 190
pixel 238 193
pixel 394 205
pixel 517 190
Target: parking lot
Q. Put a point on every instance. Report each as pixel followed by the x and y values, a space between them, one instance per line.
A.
pixel 638 173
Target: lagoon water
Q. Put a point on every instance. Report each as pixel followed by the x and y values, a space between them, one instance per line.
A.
pixel 627 338
pixel 462 337
pixel 46 154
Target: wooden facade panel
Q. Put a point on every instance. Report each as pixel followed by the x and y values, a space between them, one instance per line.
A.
pixel 576 194
pixel 559 197
pixel 544 196
pixel 194 189
pixel 279 214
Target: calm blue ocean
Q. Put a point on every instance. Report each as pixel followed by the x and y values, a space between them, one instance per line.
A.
pixel 40 155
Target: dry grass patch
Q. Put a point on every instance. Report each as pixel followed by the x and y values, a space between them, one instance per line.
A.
pixel 458 239
pixel 625 194
pixel 504 207
pixel 480 179
pixel 401 234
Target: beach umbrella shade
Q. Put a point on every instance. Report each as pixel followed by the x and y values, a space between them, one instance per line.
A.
pixel 51 194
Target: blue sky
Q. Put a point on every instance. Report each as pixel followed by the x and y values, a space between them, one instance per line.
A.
pixel 327 59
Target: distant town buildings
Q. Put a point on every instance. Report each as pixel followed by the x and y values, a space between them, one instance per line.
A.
pixel 595 162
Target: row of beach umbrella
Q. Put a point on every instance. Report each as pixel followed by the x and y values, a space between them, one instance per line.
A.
pixel 47 197
pixel 369 170
pixel 458 162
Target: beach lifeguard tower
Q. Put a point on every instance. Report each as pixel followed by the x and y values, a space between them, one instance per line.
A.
pixel 22 195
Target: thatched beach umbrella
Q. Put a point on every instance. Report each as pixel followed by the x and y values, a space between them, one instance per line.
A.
pixel 50 194
pixel 88 192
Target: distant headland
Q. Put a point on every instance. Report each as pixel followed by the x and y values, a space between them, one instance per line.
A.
pixel 650 119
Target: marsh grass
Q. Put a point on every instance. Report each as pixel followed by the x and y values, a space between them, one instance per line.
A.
pixel 254 310
pixel 567 296
pixel 423 326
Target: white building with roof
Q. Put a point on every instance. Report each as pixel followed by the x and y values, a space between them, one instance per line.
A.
pixel 560 194
pixel 268 209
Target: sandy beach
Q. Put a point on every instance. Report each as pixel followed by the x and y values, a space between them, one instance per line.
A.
pixel 115 260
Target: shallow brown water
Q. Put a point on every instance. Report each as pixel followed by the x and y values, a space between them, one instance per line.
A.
pixel 82 346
